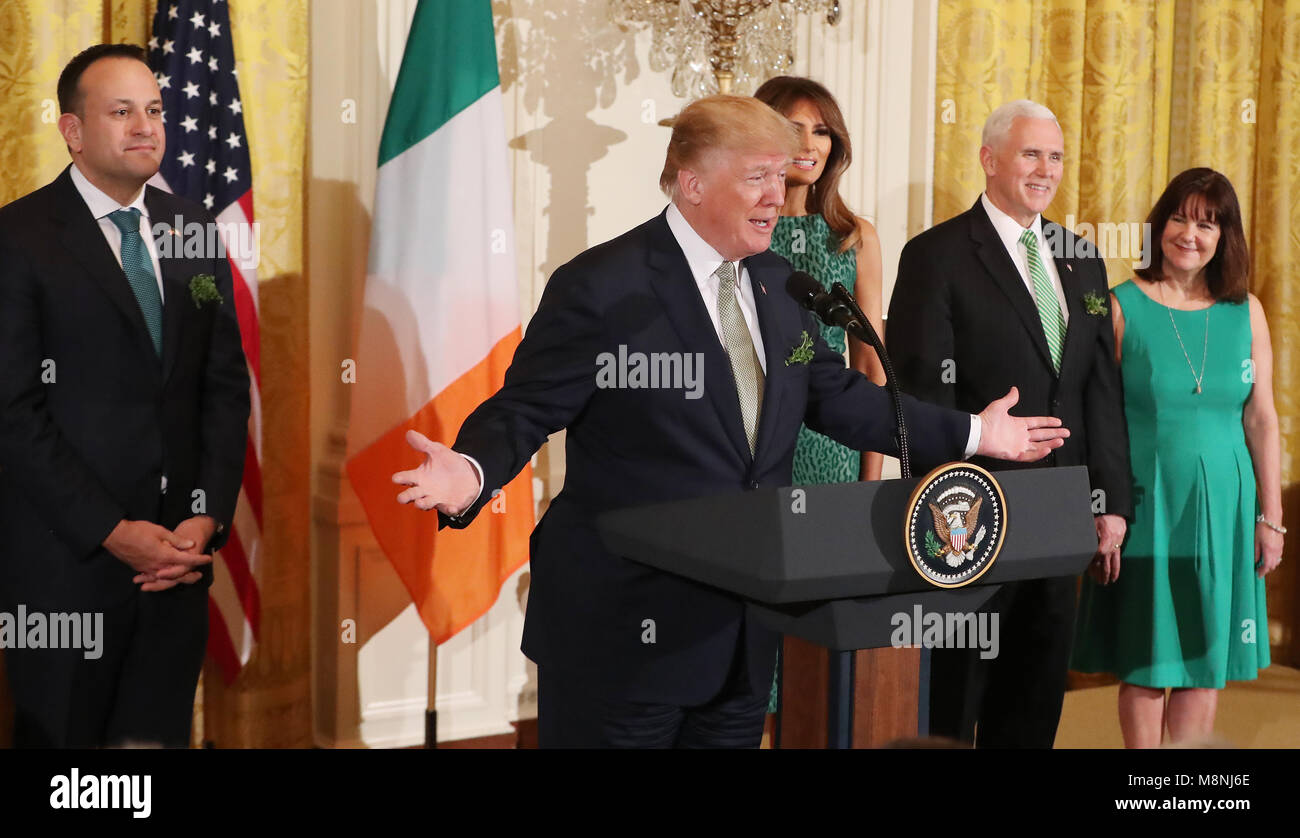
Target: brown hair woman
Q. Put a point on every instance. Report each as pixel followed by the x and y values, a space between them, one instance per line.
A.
pixel 1187 612
pixel 818 234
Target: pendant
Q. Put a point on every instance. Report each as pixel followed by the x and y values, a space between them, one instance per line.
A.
pixel 1198 389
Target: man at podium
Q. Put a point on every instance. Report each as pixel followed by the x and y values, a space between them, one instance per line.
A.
pixel 681 370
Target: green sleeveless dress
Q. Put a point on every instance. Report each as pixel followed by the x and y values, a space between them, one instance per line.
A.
pixel 810 246
pixel 807 242
pixel 1187 609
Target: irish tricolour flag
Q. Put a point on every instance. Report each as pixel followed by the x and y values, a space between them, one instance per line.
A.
pixel 441 318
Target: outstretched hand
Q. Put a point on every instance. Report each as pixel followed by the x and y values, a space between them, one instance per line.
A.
pixel 444 481
pixel 1019 438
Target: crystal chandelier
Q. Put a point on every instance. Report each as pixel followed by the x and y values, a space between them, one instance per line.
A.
pixel 720 46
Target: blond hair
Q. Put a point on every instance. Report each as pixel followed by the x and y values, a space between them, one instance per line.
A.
pixel 724 123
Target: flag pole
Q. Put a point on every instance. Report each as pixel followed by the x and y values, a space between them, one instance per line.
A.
pixel 431 710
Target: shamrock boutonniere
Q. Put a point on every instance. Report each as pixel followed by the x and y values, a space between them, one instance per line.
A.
pixel 203 289
pixel 1095 305
pixel 802 353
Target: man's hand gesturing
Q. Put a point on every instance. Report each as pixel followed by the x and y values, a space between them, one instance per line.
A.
pixel 444 481
pixel 1019 438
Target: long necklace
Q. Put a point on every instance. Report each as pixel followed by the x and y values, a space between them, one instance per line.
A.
pixel 1205 350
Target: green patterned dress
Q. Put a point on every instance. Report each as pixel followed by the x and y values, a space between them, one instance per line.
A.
pixel 808 243
pixel 1188 608
pixel 810 246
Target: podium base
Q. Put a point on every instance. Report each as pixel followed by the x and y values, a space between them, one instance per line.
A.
pixel 834 675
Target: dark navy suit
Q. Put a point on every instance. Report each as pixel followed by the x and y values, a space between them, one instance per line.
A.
pixel 627 447
pixel 89 443
pixel 962 330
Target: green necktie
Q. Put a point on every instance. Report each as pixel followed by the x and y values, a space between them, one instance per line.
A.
pixel 139 272
pixel 739 344
pixel 1049 309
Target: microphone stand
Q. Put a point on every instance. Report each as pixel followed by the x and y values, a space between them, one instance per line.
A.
pixel 860 327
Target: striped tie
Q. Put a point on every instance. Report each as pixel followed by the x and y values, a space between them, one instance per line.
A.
pixel 739 344
pixel 1049 309
pixel 139 272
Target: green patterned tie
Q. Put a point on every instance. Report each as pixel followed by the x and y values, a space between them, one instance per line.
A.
pixel 1049 309
pixel 739 344
pixel 139 272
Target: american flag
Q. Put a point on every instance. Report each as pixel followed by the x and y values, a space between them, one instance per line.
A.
pixel 207 160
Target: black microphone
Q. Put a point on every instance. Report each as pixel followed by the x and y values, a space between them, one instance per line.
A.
pixel 804 289
pixel 830 309
pixel 839 308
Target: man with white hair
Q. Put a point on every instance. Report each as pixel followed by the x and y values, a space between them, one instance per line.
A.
pixel 999 297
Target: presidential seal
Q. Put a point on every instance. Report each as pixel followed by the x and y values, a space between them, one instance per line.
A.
pixel 956 520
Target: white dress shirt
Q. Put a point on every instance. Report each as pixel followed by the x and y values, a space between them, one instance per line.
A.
pixel 1010 231
pixel 101 206
pixel 704 261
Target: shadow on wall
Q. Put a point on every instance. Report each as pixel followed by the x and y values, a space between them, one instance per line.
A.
pixel 566 57
pixel 562 59
pixel 361 588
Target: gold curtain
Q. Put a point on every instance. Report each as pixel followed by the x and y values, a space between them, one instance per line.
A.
pixel 269 705
pixel 1143 90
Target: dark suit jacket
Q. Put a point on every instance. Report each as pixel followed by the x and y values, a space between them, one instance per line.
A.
pixel 963 329
pixel 627 447
pixel 88 448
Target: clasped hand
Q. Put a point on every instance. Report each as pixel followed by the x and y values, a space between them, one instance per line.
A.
pixel 162 558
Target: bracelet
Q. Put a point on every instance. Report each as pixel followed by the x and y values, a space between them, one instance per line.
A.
pixel 1277 528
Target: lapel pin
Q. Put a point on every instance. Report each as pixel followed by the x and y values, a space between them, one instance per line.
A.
pixel 1069 267
pixel 763 288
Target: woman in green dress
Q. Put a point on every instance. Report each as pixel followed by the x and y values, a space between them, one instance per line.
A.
pixel 819 235
pixel 1187 611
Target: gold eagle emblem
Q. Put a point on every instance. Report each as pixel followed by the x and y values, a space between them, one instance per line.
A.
pixel 954 530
